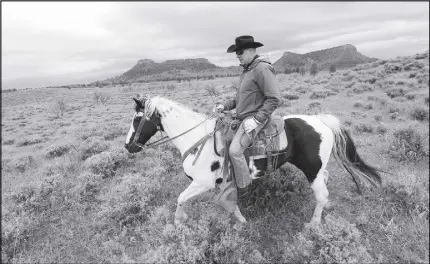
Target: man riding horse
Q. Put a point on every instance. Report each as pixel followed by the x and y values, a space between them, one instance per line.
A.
pixel 257 98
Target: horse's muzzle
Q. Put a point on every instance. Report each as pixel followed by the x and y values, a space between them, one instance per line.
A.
pixel 132 148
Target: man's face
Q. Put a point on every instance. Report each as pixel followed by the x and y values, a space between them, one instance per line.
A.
pixel 244 56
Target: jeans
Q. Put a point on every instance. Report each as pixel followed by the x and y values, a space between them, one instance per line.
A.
pixel 240 142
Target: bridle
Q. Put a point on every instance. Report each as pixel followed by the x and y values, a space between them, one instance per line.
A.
pixel 157 143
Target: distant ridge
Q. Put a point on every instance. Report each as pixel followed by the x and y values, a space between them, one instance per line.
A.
pixel 147 70
pixel 345 56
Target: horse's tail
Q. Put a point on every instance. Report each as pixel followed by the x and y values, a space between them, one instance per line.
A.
pixel 345 153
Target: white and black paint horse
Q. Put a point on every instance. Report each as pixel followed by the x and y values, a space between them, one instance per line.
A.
pixel 311 140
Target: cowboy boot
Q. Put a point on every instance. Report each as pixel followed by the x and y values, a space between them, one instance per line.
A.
pixel 242 192
pixel 227 197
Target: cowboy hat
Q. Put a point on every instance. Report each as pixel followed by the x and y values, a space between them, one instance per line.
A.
pixel 244 42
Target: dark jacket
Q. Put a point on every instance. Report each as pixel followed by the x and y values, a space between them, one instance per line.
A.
pixel 257 94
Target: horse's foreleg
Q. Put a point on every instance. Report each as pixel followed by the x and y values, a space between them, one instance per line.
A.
pixel 192 190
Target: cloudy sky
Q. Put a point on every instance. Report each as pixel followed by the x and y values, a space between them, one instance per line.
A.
pixel 54 43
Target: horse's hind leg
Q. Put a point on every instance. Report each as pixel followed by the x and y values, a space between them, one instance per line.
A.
pixel 192 190
pixel 321 194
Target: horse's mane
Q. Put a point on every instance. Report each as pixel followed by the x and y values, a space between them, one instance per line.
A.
pixel 164 105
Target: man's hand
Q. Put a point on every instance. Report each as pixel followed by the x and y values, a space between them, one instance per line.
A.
pixel 249 125
pixel 218 108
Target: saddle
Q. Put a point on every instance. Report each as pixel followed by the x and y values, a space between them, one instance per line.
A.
pixel 269 142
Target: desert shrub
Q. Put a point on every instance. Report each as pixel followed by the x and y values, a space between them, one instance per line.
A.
pixel 9 90
pixel 348 122
pixel 364 128
pixel 422 79
pixel 420 114
pixel 393 116
pixel 361 88
pixel 334 89
pixel 113 132
pixel 211 90
pixel 396 92
pixel 407 145
pixel 371 80
pixel 349 76
pixel 426 100
pixel 369 106
pixel 336 241
pixel 127 89
pixel 393 109
pixel 171 87
pixel 392 67
pixel 412 75
pixel 22 164
pixel 321 94
pixel 100 97
pixel 374 64
pixel 291 96
pixel 232 247
pixel 400 99
pixel 209 239
pixel 323 81
pixel 314 69
pixel 302 71
pixel 401 82
pixel 88 186
pixel 349 85
pixel 382 62
pixel 59 108
pixel 421 56
pixel 28 142
pixel 381 129
pixel 284 103
pixel 92 146
pixel 303 89
pixel 234 85
pixel 411 96
pixel 57 151
pixel 9 142
pixel 29 210
pixel 106 163
pixel 314 105
pixel 415 65
pixel 131 200
pixel 358 104
pixel 378 118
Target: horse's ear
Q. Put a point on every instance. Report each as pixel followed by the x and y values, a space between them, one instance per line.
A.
pixel 139 96
pixel 138 102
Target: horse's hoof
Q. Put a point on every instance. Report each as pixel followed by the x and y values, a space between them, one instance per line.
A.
pixel 328 205
pixel 239 215
pixel 312 224
pixel 181 219
pixel 242 220
pixel 238 226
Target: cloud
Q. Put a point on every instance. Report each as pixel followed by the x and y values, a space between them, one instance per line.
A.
pixel 45 39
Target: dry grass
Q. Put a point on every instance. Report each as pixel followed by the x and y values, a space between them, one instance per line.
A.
pixel 72 194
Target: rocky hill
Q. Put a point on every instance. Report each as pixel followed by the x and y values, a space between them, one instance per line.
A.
pixel 345 56
pixel 183 69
